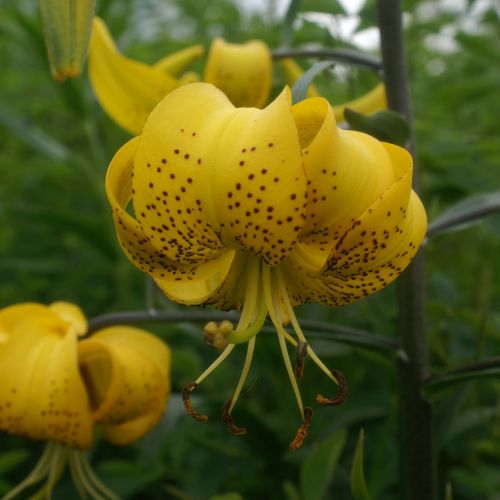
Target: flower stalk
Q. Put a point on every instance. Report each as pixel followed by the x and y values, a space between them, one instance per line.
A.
pixel 416 443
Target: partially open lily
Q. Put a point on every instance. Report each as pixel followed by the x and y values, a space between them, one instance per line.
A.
pixel 263 210
pixel 56 388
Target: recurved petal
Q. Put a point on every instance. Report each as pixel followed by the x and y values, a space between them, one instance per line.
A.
pixel 347 171
pixel 126 372
pixel 175 64
pixel 42 395
pixel 388 233
pixel 242 71
pixel 127 90
pixel 136 244
pixel 12 316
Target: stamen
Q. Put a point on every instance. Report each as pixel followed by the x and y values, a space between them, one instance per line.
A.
pixel 274 312
pixel 334 375
pixel 303 430
pixel 342 394
pixel 226 417
pixel 241 336
pixel 244 373
pixel 301 353
pixel 186 399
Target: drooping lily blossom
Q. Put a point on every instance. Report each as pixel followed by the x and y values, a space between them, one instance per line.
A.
pixel 262 210
pixel 56 387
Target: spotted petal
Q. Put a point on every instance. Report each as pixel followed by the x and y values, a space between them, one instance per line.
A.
pixel 137 245
pixel 347 171
pixel 216 173
pixel 242 71
pixel 127 90
pixel 126 371
pixel 42 395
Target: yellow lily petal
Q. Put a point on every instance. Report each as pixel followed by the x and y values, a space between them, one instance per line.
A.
pixel 176 63
pixel 127 90
pixel 42 395
pixel 292 72
pixel 126 373
pixel 372 101
pixel 242 71
pixel 136 244
pixel 347 171
pixel 189 77
pixel 13 316
pixel 249 189
pixel 67 26
pixel 72 314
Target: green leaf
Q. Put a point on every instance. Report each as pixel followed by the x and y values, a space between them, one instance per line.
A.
pixel 387 125
pixel 359 490
pixel 438 383
pixel 11 459
pixel 317 470
pixel 290 16
pixel 227 496
pixel 291 492
pixel 465 213
pixel 299 89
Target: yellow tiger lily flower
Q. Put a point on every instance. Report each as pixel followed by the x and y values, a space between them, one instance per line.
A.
pixel 262 210
pixel 371 102
pixel 56 387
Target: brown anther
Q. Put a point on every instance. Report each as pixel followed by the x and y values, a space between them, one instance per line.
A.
pixel 342 394
pixel 186 398
pixel 303 430
pixel 301 353
pixel 228 420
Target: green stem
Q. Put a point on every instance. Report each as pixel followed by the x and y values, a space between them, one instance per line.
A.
pixel 416 441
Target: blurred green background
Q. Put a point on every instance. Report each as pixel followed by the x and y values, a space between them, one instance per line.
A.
pixel 57 243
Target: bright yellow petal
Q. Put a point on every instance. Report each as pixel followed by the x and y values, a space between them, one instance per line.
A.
pixel 71 314
pixel 242 71
pixel 176 63
pixel 347 171
pixel 42 395
pixel 126 371
pixel 292 72
pixel 13 316
pixel 371 102
pixel 127 90
pixel 211 169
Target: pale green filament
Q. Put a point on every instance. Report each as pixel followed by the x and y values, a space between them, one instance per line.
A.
pixel 50 467
pixel 244 373
pixel 296 327
pixel 220 359
pixel 272 301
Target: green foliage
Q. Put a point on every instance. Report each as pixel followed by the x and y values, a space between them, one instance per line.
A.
pixel 358 484
pixel 57 242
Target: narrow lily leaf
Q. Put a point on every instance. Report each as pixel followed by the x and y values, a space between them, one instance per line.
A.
pixel 67 25
pixel 290 490
pixel 287 29
pixel 387 126
pixel 299 90
pixel 465 213
pixel 319 467
pixel 438 383
pixel 359 490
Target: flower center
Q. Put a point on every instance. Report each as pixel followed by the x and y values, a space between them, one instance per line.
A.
pixel 266 294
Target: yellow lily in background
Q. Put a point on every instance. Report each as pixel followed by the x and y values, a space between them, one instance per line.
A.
pixel 371 102
pixel 55 388
pixel 242 71
pixel 263 210
pixel 128 90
